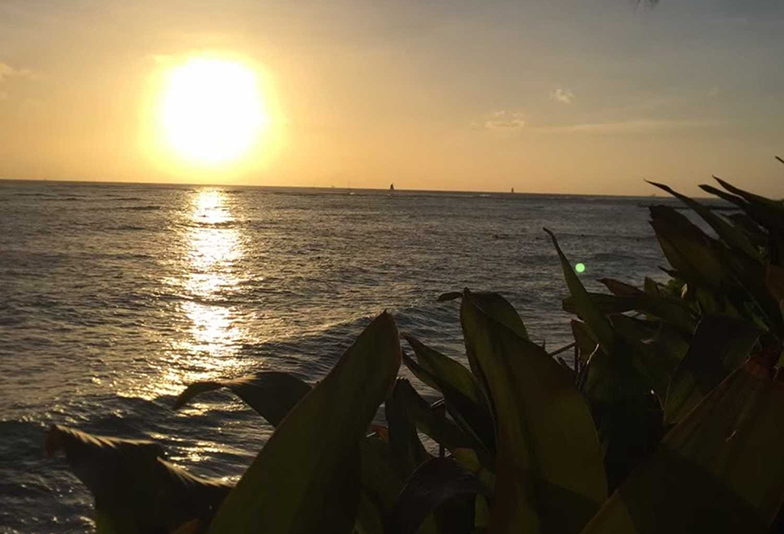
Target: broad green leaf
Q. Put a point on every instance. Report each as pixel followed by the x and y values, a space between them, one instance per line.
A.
pixel 774 281
pixel 651 287
pixel 599 324
pixel 446 370
pixel 693 254
pixel 719 470
pixel 406 449
pixel 495 306
pixel 272 394
pixel 435 425
pixel 619 288
pixel 499 309
pixel 586 344
pixel 733 199
pixel 618 393
pixel 627 415
pixel 670 344
pixel 666 308
pixel 604 303
pixel 549 459
pixel 434 484
pixel 657 367
pixel 464 397
pixel 714 302
pixel 763 212
pixel 769 213
pixel 702 261
pixel 639 329
pixel 720 345
pixel 734 237
pixel 751 229
pixel 630 430
pixel 306 478
pixel 380 483
pixel 136 491
pixel 369 518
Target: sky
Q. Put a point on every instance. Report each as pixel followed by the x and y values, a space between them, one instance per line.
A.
pixel 558 96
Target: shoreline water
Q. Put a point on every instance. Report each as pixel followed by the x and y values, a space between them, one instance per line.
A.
pixel 118 295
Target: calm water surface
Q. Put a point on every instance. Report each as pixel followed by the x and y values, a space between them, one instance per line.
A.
pixel 112 297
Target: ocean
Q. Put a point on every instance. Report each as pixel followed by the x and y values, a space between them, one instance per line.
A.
pixel 114 296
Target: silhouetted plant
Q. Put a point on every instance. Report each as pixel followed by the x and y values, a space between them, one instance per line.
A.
pixel 668 420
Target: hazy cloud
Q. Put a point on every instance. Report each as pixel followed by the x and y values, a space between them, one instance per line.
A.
pixel 713 92
pixel 504 121
pixel 565 96
pixel 7 71
pixel 632 126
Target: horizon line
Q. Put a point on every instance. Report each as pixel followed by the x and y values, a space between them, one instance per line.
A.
pixel 331 188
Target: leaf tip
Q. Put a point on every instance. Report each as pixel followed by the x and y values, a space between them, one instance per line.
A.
pixel 449 295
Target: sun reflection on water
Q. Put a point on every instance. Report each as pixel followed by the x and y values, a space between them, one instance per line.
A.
pixel 215 249
pixel 206 346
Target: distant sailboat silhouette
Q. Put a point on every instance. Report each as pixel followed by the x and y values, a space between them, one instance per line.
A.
pixel 513 190
pixel 391 187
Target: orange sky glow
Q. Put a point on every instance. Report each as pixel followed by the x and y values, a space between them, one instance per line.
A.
pixel 538 96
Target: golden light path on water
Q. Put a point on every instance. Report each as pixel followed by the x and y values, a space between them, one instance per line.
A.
pixel 206 346
pixel 214 248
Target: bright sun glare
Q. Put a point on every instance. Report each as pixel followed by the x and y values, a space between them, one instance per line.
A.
pixel 212 111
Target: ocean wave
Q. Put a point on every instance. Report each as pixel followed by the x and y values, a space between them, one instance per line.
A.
pixel 139 208
pixel 126 228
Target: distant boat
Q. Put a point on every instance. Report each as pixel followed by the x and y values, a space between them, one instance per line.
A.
pixel 391 187
pixel 513 190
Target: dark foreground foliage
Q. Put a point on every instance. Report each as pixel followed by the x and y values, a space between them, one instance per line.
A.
pixel 669 419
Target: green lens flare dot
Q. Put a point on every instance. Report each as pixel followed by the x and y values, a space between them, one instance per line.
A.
pixel 580 267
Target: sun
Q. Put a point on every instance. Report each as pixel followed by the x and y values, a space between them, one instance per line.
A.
pixel 212 111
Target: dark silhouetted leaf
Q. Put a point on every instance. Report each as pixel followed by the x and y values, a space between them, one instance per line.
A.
pixel 549 459
pixel 693 254
pixel 272 394
pixel 755 234
pixel 464 398
pixel 719 470
pixel 766 212
pixel 407 451
pixel 655 367
pixel 435 483
pixel 619 288
pixel 451 295
pixel 733 199
pixel 731 235
pixel 584 306
pixel 720 345
pixel 306 478
pixel 435 424
pixel 446 370
pixel 604 303
pixel 585 343
pixel 380 485
pixel 135 489
pixel 499 309
pixel 655 304
pixel 774 281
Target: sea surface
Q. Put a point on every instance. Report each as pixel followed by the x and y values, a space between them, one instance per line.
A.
pixel 114 296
